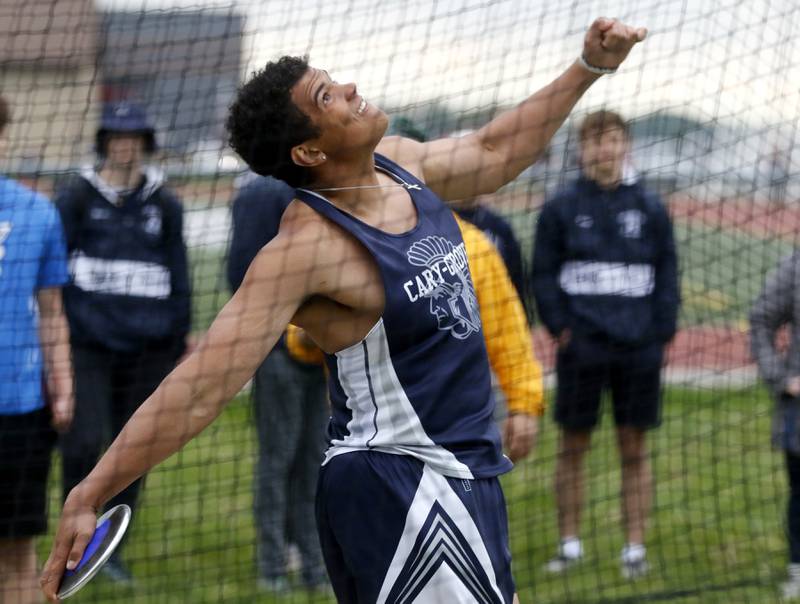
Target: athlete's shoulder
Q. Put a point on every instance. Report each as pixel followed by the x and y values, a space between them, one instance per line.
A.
pixel 304 253
pixel 300 222
pixel 405 152
pixel 289 256
pixel 313 237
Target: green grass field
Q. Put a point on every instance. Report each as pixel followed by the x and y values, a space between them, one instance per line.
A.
pixel 209 285
pixel 716 533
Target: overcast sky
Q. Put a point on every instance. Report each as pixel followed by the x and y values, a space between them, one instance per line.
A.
pixel 716 59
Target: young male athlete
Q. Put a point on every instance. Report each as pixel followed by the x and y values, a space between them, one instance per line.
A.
pixel 371 263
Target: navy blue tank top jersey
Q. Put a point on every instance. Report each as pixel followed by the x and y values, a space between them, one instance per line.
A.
pixel 418 384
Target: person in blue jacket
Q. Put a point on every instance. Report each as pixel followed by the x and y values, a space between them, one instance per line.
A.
pixel 290 411
pixel 128 302
pixel 605 280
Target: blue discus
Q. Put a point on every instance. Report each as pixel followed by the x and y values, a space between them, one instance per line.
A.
pixel 111 527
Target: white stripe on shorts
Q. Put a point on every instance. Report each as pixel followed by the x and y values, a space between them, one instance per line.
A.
pixel 440 541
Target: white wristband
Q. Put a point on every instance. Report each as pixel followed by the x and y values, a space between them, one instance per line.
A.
pixel 594 69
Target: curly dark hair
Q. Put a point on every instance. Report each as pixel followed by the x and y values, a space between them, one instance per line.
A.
pixel 264 124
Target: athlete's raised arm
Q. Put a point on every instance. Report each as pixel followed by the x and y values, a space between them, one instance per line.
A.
pixel 279 280
pixel 482 162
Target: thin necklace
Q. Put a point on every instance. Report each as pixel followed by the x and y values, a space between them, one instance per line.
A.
pixel 403 184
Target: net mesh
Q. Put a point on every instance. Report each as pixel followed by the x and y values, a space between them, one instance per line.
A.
pixel 713 104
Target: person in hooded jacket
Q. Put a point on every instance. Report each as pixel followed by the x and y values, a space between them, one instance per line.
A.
pixel 128 302
pixel 291 437
pixel 774 310
pixel 605 280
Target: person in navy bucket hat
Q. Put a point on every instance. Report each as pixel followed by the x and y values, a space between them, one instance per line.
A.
pixel 128 302
pixel 125 117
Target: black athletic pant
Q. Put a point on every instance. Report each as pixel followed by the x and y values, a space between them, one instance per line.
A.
pixel 109 387
pixel 793 509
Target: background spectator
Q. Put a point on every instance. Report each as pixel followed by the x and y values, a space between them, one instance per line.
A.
pixel 129 301
pixel 508 343
pixel 777 307
pixel 499 232
pixel 290 408
pixel 34 342
pixel 606 287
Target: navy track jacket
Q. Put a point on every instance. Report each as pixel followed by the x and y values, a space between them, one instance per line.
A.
pixel 127 259
pixel 257 211
pixel 500 233
pixel 605 264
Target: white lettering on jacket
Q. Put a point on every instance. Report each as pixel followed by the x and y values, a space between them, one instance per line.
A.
pixel 120 277
pixel 607 279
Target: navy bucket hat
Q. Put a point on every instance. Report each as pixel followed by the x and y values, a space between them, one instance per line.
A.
pixel 124 117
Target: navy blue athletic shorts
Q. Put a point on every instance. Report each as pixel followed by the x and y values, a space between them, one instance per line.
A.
pixel 586 368
pixel 393 530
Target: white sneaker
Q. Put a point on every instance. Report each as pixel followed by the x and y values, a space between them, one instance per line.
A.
pixel 560 564
pixel 273 585
pixel 790 590
pixel 294 561
pixel 633 561
pixel 634 569
pixel 570 553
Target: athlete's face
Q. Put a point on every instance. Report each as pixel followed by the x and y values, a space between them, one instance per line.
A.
pixel 124 150
pixel 347 121
pixel 603 155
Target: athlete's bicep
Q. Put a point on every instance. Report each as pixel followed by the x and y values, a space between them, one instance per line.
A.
pixel 458 168
pixel 279 280
pixel 453 168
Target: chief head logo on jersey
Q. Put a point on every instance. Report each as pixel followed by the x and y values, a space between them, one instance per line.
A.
pixel 446 282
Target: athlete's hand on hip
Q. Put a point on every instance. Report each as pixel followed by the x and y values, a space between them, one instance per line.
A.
pixel 519 435
pixel 792 387
pixel 62 410
pixel 609 41
pixel 75 530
